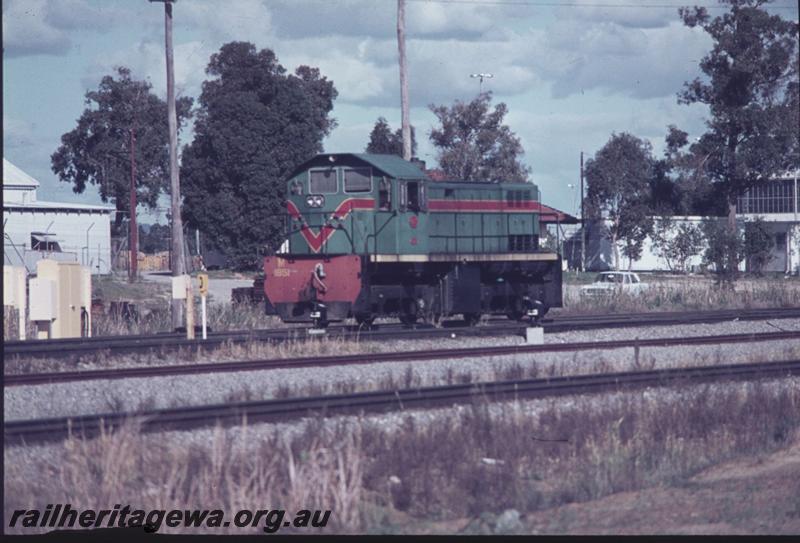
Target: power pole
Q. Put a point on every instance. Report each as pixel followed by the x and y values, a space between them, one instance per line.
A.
pixel 178 262
pixel 583 224
pixel 134 233
pixel 401 48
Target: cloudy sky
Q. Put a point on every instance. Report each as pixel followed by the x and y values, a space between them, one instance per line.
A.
pixel 571 71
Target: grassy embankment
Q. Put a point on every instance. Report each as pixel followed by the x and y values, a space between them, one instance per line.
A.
pixel 467 465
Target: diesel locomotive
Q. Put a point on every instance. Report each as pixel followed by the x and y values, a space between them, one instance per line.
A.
pixel 373 236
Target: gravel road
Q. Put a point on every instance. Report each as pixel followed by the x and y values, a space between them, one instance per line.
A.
pixel 27 402
pixel 218 289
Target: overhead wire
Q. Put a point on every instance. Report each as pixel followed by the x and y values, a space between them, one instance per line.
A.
pixel 550 4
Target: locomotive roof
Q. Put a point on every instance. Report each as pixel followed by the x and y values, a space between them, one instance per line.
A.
pixel 390 165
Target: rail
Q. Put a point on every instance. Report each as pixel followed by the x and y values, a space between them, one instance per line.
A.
pixel 113 345
pixel 187 418
pixel 374 358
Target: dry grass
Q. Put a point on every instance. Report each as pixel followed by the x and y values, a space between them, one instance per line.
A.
pixel 687 295
pixel 155 318
pixel 469 463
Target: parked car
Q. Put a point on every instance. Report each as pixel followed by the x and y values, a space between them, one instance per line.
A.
pixel 612 282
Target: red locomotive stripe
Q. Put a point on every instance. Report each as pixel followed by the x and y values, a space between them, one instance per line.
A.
pixel 316 240
pixel 478 206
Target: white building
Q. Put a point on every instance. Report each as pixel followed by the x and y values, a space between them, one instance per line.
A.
pixel 776 202
pixel 35 229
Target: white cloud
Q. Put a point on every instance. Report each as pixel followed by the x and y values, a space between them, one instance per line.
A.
pixel 641 63
pixel 378 19
pixel 32 27
pixel 17 132
pixel 644 16
pixel 146 60
pixel 244 20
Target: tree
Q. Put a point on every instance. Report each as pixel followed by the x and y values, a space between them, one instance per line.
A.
pixel 474 145
pixel 676 243
pixel 618 186
pixel 750 87
pixel 154 238
pixel 758 245
pixel 97 151
pixel 255 125
pixel 691 191
pixel 383 141
pixel 723 247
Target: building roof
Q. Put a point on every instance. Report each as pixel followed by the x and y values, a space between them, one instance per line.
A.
pixel 56 206
pixel 14 177
pixel 548 215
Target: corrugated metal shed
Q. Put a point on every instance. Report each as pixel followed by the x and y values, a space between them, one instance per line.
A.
pixel 70 231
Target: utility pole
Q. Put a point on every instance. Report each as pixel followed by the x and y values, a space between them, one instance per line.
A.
pixel 178 262
pixel 401 47
pixel 583 224
pixel 134 233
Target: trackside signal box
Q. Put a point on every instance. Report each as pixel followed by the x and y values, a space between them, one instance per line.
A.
pixel 61 300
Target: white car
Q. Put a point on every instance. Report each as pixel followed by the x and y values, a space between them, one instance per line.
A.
pixel 612 282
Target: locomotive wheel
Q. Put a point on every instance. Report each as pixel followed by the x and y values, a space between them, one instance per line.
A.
pixel 472 318
pixel 407 319
pixel 433 318
pixel 365 321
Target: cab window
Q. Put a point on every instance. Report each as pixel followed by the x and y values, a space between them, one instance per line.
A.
pixel 322 181
pixel 412 196
pixel 358 180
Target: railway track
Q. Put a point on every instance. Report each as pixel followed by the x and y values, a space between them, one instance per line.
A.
pixel 112 345
pixel 371 358
pixel 185 418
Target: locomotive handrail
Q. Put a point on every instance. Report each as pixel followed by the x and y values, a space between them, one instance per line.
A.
pixel 377 231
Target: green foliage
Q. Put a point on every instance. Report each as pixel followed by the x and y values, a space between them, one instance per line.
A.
pixel 618 179
pixel 758 245
pixel 474 145
pixel 154 238
pixel 682 186
pixel 724 249
pixel 383 141
pixel 676 243
pixel 97 151
pixel 255 125
pixel 750 85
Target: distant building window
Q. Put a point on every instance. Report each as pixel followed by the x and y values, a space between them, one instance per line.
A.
pixel 41 241
pixel 358 180
pixel 322 181
pixel 769 197
pixel 780 241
